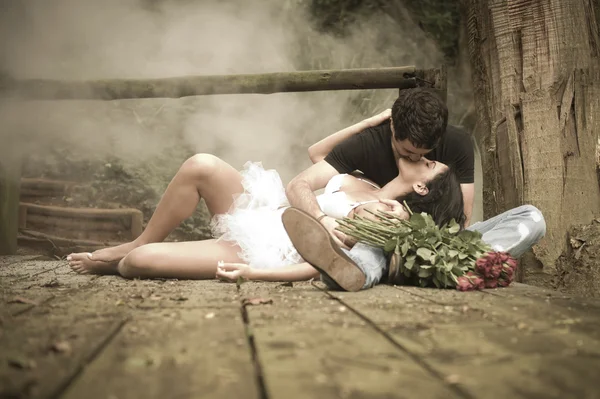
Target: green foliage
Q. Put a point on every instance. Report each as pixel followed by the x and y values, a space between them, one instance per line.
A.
pixel 438 18
pixel 428 255
pixel 336 15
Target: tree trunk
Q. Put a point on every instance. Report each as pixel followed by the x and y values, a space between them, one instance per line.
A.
pixel 536 77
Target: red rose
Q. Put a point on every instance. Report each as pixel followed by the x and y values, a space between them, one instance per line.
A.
pixel 480 284
pixel 469 282
pixel 504 256
pixel 481 261
pixel 512 263
pixel 464 284
pixel 483 268
pixel 495 271
pixel 508 274
pixel 503 283
pixel 491 283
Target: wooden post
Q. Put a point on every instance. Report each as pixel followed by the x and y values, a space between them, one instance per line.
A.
pixel 22 214
pixel 177 87
pixel 436 79
pixel 137 220
pixel 10 181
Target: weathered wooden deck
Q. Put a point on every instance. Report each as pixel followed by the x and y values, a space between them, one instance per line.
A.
pixel 68 336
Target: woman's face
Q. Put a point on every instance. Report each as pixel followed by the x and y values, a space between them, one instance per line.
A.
pixel 421 171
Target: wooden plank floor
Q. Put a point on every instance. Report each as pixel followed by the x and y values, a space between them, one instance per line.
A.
pixel 64 335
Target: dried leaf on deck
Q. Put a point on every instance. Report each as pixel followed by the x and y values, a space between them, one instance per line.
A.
pixel 51 284
pixel 20 299
pixel 22 363
pixel 257 301
pixel 453 379
pixel 576 242
pixel 238 283
pixel 61 347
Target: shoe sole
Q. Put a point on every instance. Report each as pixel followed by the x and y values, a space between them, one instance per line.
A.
pixel 314 243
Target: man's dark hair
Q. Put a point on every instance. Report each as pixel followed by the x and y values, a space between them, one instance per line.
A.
pixel 420 116
pixel 444 201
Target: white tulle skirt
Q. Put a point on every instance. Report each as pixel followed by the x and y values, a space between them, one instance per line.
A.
pixel 254 220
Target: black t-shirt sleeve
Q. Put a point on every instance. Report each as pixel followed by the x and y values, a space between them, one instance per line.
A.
pixel 349 155
pixel 465 159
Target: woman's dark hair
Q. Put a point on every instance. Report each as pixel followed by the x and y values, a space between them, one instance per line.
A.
pixel 444 201
pixel 420 116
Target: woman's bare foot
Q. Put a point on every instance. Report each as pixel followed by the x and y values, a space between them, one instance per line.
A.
pixel 82 263
pixel 102 261
pixel 114 254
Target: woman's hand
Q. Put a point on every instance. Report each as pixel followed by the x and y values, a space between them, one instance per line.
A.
pixel 379 118
pixel 338 237
pixel 318 151
pixel 231 272
pixel 383 205
pixel 396 208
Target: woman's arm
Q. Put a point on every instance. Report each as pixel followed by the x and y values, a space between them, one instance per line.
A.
pixel 299 272
pixel 318 151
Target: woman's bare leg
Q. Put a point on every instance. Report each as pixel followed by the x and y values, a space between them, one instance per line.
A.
pixel 201 176
pixel 181 260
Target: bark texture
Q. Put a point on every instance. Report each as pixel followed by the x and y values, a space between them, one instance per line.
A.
pixel 536 75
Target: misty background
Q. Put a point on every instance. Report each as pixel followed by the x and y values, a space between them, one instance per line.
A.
pixel 148 139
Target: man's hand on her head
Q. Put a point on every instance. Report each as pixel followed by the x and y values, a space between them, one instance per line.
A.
pixel 331 225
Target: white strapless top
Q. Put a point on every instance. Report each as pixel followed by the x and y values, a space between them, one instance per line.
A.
pixel 335 203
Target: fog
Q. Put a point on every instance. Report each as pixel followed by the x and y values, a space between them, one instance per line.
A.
pixel 85 39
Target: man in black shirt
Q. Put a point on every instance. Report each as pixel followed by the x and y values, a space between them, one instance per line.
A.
pixel 417 127
pixel 375 154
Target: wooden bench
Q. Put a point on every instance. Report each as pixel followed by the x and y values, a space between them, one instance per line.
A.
pixel 103 225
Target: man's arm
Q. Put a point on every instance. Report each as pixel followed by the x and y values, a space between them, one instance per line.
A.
pixel 318 151
pixel 300 194
pixel 300 191
pixel 468 192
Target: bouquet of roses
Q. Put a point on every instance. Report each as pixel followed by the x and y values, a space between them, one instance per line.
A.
pixel 426 255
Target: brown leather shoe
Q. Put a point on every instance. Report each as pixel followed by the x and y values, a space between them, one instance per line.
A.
pixel 314 243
